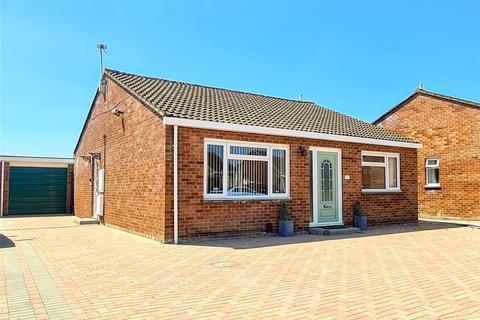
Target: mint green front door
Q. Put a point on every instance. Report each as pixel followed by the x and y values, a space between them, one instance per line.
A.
pixel 327 188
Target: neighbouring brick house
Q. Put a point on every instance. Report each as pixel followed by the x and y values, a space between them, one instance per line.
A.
pixel 171 160
pixel 449 162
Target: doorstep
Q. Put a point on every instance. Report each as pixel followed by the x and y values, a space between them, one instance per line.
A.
pixel 85 221
pixel 334 231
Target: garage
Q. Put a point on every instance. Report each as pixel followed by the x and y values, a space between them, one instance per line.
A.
pixel 36 185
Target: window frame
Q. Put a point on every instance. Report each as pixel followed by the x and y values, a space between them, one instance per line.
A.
pixel 432 166
pixel 385 165
pixel 227 155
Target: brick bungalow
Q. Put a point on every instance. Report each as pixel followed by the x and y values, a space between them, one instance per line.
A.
pixel 177 161
pixel 449 162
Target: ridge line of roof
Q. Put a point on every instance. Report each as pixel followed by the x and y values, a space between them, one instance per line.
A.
pixel 427 93
pixel 208 87
pixel 444 96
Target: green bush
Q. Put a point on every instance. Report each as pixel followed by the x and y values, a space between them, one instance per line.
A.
pixel 358 210
pixel 284 212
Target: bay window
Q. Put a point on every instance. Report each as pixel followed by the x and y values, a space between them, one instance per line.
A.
pixel 238 170
pixel 380 171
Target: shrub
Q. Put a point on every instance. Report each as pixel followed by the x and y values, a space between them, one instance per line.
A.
pixel 358 210
pixel 284 212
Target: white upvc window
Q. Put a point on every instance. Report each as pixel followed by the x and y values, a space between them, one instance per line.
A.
pixel 432 172
pixel 380 172
pixel 245 170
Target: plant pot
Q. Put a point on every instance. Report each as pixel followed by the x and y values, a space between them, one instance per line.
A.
pixel 361 222
pixel 285 228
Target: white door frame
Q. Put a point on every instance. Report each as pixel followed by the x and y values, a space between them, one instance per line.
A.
pixel 95 187
pixel 315 222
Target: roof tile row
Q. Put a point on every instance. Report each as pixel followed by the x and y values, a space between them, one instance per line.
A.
pixel 190 101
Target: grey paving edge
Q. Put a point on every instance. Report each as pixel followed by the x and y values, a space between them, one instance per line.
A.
pixel 56 306
pixel 18 300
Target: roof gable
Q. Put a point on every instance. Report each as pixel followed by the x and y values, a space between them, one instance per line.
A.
pixel 196 102
pixel 94 100
pixel 425 93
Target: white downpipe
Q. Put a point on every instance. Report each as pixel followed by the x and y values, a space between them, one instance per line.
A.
pixel 1 188
pixel 175 184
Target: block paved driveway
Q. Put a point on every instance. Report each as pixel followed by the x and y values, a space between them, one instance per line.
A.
pixel 51 268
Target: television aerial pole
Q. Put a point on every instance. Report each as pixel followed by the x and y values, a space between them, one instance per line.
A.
pixel 102 47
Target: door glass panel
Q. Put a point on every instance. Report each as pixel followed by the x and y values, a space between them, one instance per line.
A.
pixel 327 181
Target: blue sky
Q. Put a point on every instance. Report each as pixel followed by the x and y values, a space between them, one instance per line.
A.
pixel 357 57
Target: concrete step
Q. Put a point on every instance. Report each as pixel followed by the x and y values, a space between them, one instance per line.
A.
pixel 334 231
pixel 84 221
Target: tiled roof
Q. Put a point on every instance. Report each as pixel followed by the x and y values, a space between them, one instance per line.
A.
pixel 196 102
pixel 426 93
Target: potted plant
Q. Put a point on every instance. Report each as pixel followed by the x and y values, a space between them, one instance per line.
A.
pixel 285 225
pixel 360 216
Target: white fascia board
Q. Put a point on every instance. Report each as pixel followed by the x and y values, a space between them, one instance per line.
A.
pixel 201 124
pixel 40 160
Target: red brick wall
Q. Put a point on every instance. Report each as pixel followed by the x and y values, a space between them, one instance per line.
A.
pixel 133 157
pixel 200 218
pixel 6 186
pixel 69 200
pixel 451 132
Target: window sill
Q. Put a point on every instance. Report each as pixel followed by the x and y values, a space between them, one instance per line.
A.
pixel 367 191
pixel 433 187
pixel 246 199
